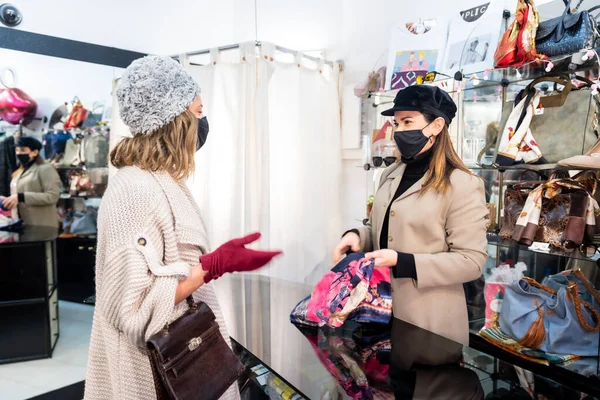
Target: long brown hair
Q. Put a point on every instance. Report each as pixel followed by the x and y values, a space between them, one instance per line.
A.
pixel 38 160
pixel 171 148
pixel 443 162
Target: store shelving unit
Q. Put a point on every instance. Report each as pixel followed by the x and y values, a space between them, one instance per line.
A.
pixel 480 98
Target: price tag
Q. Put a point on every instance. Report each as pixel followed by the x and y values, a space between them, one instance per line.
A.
pixel 541 247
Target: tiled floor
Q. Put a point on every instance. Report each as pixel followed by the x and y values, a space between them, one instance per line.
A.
pixel 19 381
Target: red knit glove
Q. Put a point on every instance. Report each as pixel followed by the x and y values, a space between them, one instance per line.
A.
pixel 233 256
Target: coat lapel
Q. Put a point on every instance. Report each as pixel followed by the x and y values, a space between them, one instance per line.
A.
pixel 29 171
pixel 189 225
pixel 413 189
pixel 396 177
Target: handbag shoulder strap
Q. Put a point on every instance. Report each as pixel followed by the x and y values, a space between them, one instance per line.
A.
pixel 587 284
pixel 573 293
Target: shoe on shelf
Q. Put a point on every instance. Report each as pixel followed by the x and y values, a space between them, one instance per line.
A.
pixel 590 160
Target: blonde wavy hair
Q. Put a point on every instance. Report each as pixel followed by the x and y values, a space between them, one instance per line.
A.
pixel 170 148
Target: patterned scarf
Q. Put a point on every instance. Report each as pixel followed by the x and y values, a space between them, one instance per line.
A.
pixel 533 208
pixel 517 142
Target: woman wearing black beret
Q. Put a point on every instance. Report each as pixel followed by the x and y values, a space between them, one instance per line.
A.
pixel 35 186
pixel 428 222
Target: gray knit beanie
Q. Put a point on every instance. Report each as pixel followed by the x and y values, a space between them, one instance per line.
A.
pixel 154 91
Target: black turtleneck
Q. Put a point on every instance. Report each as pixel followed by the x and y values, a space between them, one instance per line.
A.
pixel 415 170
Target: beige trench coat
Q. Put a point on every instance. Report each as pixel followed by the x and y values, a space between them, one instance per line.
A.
pixel 447 235
pixel 41 186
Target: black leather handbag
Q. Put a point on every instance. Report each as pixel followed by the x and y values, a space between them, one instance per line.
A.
pixel 190 359
pixel 566 34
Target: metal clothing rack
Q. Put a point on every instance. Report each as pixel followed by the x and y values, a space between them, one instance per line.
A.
pixel 259 44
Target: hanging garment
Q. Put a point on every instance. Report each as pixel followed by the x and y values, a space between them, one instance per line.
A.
pixel 8 164
pixel 352 290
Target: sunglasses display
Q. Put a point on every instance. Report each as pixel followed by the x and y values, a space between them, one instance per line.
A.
pixel 379 161
pixel 586 250
pixel 430 77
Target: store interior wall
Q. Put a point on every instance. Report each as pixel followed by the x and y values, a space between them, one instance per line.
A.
pixel 350 30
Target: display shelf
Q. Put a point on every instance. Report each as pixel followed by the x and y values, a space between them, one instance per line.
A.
pixel 569 374
pixel 66 196
pixel 495 240
pixel 562 64
pixel 530 167
pixel 79 168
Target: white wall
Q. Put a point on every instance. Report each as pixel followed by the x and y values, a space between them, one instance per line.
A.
pixel 353 30
pixel 142 25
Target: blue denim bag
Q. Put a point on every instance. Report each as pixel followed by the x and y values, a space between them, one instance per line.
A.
pixel 556 320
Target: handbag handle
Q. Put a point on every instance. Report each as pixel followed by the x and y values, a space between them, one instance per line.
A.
pixel 531 170
pixel 585 175
pixel 554 174
pixel 560 27
pixel 557 100
pixel 577 272
pixel 193 307
pixel 573 292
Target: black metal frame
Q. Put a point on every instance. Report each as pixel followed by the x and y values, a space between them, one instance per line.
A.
pixel 14 39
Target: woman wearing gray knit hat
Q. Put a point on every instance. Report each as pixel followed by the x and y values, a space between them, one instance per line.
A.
pixel 152 245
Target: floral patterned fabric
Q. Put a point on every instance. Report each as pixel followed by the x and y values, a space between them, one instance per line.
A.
pixel 352 290
pixel 517 142
pixel 532 211
pixel 359 364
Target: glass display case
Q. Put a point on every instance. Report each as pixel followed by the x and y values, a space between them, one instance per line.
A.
pixel 483 101
pixel 483 116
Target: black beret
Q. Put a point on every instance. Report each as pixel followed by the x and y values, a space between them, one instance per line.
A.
pixel 32 143
pixel 424 98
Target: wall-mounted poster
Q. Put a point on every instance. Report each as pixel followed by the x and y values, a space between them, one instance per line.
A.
pixel 415 49
pixel 473 37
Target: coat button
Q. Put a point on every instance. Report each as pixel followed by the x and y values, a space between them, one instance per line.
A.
pixel 393 214
pixel 142 241
pixel 390 239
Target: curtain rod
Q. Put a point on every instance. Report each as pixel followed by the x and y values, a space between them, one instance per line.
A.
pixel 258 44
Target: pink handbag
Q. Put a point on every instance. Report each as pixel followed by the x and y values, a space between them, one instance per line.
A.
pixel 15 105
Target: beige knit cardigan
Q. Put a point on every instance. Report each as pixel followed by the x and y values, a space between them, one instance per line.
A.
pixel 150 232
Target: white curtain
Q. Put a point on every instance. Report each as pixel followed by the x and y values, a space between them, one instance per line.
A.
pixel 272 162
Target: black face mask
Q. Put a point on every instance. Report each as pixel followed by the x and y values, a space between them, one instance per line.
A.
pixel 410 143
pixel 24 159
pixel 203 129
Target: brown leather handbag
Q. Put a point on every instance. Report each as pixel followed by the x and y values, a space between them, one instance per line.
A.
pixel 515 196
pixel 564 206
pixel 190 359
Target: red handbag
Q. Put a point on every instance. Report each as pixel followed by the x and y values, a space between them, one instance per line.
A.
pixel 77 116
